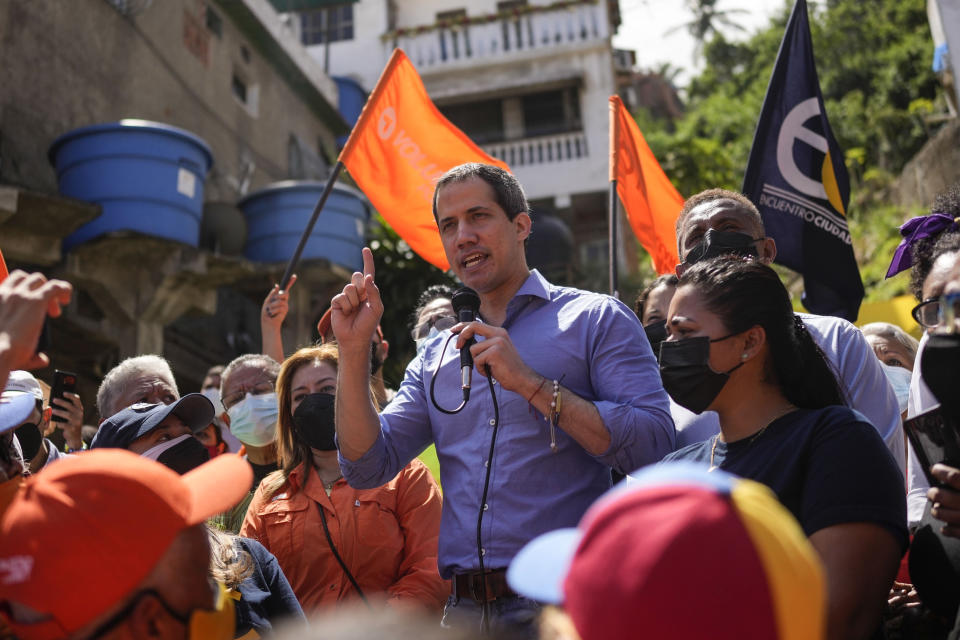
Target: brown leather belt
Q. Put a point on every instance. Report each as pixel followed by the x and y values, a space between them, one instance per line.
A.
pixel 470 585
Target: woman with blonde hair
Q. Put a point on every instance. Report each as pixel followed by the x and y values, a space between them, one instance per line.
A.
pixel 336 543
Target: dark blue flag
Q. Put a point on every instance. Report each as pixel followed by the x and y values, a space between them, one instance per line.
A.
pixel 797 178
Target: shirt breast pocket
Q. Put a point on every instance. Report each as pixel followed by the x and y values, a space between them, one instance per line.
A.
pixel 378 523
pixel 284 525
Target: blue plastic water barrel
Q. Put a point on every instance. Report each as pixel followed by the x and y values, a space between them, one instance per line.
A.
pixel 147 176
pixel 278 214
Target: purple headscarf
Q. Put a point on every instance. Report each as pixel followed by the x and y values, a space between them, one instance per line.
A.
pixel 914 230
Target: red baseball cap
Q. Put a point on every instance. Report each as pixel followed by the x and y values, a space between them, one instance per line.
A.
pixel 80 536
pixel 680 553
pixel 325 329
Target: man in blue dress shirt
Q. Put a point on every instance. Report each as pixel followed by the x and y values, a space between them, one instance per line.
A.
pixel 541 343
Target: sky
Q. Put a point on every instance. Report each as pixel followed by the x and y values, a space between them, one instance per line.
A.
pixel 646 24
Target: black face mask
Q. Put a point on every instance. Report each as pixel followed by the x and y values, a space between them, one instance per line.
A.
pixel 184 456
pixel 720 243
pixel 656 333
pixel 686 373
pixel 30 439
pixel 313 422
pixel 940 369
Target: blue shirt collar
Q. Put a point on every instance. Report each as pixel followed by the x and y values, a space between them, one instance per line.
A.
pixel 535 285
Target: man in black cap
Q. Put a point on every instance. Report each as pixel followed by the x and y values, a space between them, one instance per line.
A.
pixel 161 432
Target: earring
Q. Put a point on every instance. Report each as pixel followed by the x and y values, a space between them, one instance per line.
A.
pixel 744 356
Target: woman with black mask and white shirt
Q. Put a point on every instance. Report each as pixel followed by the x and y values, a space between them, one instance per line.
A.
pixel 336 543
pixel 736 347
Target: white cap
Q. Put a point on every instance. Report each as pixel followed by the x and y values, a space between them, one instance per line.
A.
pixel 21 382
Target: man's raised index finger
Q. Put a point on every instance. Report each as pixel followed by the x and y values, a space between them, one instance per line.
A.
pixel 368 267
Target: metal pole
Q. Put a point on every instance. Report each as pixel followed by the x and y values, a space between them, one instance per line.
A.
pixel 295 258
pixel 612 224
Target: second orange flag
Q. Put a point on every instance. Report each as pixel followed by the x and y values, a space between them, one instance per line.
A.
pixel 650 199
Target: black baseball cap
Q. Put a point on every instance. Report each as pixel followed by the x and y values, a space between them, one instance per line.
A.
pixel 125 426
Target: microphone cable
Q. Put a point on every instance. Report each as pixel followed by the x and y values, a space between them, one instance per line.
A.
pixel 466 305
pixel 433 384
pixel 485 605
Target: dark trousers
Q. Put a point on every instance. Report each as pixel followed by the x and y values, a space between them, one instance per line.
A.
pixel 511 617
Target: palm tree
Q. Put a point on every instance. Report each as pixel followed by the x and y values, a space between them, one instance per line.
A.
pixel 707 20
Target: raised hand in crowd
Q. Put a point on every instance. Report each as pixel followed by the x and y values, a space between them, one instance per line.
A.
pixel 25 299
pixel 355 314
pixel 357 310
pixel 70 408
pixel 272 314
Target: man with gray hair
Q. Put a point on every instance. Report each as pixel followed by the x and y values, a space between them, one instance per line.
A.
pixel 139 379
pixel 248 393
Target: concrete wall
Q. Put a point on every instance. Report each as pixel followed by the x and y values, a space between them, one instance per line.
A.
pixel 934 169
pixel 70 64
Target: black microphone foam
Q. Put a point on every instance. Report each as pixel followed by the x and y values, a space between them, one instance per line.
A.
pixel 466 301
pixel 466 304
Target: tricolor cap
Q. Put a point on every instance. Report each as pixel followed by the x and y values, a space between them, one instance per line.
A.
pixel 325 327
pixel 117 513
pixel 678 534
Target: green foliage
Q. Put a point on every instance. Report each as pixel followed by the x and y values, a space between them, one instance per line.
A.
pixel 401 277
pixel 873 60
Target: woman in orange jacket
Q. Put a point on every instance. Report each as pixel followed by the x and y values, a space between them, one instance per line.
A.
pixel 336 543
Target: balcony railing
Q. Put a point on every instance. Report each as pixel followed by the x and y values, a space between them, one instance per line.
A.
pixel 502 37
pixel 541 150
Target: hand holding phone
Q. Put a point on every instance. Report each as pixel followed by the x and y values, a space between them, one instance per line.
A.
pixel 62 381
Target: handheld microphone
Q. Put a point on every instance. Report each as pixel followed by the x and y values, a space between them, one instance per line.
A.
pixel 466 304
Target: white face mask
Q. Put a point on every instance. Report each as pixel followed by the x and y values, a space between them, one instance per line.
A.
pixel 213 395
pixel 253 420
pixel 422 342
pixel 899 379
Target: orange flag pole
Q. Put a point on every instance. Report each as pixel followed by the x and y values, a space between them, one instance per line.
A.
pixel 295 258
pixel 612 209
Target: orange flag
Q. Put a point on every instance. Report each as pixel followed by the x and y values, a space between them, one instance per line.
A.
pixel 398 149
pixel 651 201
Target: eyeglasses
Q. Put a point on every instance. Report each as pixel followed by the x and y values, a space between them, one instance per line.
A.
pixel 941 311
pixel 440 323
pixel 949 312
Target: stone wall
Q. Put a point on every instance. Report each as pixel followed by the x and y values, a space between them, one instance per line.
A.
pixel 932 171
pixel 76 63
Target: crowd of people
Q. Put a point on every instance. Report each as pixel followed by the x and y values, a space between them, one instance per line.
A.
pixel 711 464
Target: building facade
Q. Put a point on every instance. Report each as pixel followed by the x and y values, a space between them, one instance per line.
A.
pixel 228 71
pixel 527 80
